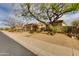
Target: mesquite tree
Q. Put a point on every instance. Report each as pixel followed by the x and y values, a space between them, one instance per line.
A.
pixel 47 13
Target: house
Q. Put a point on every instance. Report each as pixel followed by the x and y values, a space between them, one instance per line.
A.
pixel 34 26
pixel 27 27
pixel 59 23
pixel 39 26
pixel 19 27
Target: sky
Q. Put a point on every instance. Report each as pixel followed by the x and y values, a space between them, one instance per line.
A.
pixel 6 10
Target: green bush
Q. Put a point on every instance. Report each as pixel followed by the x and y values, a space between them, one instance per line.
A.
pixel 6 29
pixel 77 36
pixel 43 29
pixel 11 29
pixel 67 29
pixel 57 29
pixel 1 29
pixel 54 29
pixel 32 31
pixel 38 30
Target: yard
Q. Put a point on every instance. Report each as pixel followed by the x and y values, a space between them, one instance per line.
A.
pixel 58 38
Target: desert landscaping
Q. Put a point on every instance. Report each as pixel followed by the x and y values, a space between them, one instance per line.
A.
pixel 41 29
pixel 58 38
pixel 36 42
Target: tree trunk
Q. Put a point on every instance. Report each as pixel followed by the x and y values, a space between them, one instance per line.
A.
pixel 49 29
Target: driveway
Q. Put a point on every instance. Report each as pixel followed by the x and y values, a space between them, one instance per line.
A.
pixel 9 47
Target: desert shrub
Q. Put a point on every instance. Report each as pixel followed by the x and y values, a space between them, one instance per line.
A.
pixel 32 31
pixel 43 29
pixel 57 29
pixel 75 23
pixel 11 29
pixel 35 31
pixel 67 29
pixel 69 34
pixel 39 30
pixel 6 29
pixel 54 29
pixel 35 27
pixel 1 28
pixel 77 36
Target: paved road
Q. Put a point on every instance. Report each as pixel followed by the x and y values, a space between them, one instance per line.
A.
pixel 9 47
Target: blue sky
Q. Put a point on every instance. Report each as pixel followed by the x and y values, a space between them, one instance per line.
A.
pixel 68 18
pixel 6 10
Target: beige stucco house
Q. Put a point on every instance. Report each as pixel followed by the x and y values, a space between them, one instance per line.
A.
pixel 40 26
pixel 59 23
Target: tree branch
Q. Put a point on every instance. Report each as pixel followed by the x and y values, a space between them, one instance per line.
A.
pixel 28 6
pixel 50 18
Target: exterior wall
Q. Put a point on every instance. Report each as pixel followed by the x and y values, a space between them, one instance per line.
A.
pixel 30 26
pixel 64 24
pixel 19 28
pixel 57 24
pixel 27 27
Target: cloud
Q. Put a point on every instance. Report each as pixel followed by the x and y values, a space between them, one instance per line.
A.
pixel 68 18
pixel 7 10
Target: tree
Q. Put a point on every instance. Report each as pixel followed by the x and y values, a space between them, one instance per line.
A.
pixel 11 22
pixel 47 13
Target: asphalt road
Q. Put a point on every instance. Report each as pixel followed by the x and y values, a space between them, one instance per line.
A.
pixel 9 47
